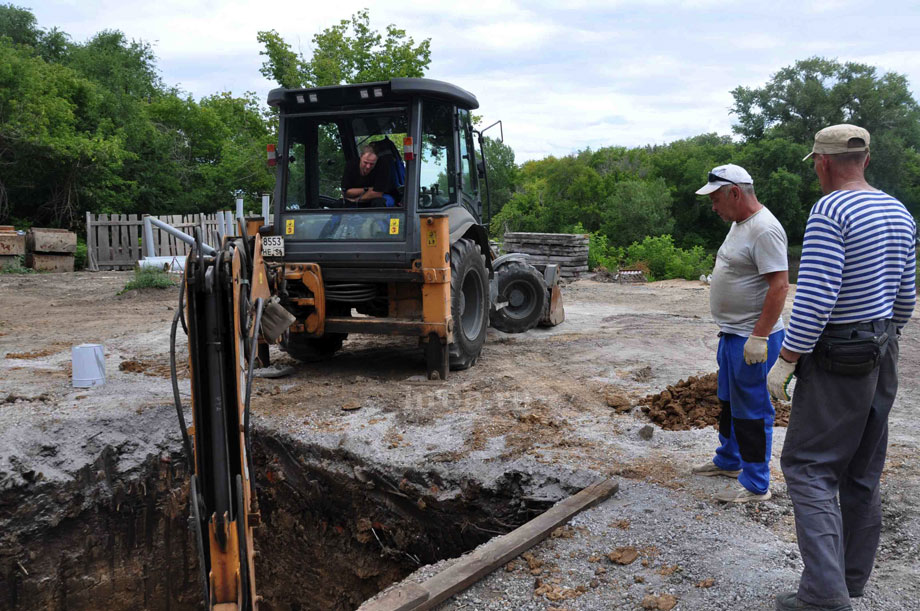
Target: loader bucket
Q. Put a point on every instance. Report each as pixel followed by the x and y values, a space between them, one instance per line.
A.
pixel 554 313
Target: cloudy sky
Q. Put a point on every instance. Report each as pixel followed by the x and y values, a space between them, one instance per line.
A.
pixel 562 76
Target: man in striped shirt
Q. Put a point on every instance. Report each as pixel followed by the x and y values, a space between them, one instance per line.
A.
pixel 856 291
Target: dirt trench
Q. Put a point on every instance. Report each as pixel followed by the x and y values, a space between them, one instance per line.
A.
pixel 335 531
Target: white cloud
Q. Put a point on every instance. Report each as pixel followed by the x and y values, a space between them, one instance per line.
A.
pixel 561 76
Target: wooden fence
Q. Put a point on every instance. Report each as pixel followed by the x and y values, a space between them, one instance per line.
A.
pixel 116 241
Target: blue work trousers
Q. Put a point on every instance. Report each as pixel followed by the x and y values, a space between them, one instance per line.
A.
pixel 746 424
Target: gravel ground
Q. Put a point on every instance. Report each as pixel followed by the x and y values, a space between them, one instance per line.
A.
pixel 533 406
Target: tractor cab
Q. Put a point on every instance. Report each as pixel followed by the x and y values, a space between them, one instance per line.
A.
pixel 421 134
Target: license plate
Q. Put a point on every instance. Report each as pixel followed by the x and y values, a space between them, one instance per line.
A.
pixel 272 246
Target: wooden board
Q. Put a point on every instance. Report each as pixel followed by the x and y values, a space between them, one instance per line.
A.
pixel 485 559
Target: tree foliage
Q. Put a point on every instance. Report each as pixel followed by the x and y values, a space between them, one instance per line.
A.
pixel 626 197
pixel 502 173
pixel 349 52
pixel 91 127
pixel 814 93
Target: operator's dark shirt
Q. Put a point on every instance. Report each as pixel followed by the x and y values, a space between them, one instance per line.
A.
pixel 379 179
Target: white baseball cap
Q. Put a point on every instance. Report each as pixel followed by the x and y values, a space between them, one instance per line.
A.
pixel 728 174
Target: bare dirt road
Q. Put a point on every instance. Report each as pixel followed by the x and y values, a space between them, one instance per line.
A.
pixel 540 416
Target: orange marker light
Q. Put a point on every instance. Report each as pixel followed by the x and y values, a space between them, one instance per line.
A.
pixel 408 153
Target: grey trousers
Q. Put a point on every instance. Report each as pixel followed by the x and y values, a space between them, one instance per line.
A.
pixel 835 445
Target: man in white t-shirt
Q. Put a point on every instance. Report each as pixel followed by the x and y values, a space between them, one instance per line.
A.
pixel 747 294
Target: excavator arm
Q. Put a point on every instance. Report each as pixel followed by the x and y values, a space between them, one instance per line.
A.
pixel 222 323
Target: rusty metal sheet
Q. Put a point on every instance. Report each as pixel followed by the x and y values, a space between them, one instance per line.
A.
pixel 49 263
pixel 51 240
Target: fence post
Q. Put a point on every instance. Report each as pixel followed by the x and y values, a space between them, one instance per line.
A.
pixel 91 261
pixel 265 208
pixel 239 207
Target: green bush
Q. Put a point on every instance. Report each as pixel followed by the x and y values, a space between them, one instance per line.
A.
pixel 149 278
pixel 17 267
pixel 79 257
pixel 664 260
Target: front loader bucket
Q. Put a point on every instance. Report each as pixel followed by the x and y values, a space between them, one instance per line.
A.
pixel 554 313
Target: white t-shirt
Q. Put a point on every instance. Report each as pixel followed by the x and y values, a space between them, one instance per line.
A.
pixel 752 248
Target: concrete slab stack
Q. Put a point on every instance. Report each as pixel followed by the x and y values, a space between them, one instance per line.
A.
pixel 567 250
pixel 50 250
pixel 12 246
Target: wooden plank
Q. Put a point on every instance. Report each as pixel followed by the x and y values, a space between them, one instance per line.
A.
pixel 105 252
pixel 406 597
pixel 125 241
pixel 184 223
pixel 132 231
pixel 91 261
pixel 174 242
pixel 134 244
pixel 475 565
pixel 162 248
pixel 118 255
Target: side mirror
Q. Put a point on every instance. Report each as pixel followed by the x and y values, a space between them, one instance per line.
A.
pixel 481 168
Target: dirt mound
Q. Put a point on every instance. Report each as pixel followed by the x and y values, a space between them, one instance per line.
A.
pixel 150 368
pixel 694 404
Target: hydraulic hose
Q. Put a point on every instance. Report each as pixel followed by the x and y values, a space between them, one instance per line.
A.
pixel 186 442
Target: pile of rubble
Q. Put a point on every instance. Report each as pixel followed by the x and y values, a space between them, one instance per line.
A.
pixel 693 404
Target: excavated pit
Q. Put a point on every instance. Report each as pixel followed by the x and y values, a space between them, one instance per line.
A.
pixel 335 530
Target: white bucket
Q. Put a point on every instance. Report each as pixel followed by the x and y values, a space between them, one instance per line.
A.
pixel 88 365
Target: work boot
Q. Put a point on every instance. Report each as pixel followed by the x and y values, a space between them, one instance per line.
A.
pixel 788 601
pixel 710 469
pixel 740 494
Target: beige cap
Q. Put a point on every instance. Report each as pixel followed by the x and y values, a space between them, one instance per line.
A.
pixel 835 139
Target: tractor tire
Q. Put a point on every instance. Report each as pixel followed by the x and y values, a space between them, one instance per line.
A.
pixel 311 349
pixel 524 290
pixel 469 303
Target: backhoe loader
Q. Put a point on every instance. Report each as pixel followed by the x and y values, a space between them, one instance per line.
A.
pixel 416 262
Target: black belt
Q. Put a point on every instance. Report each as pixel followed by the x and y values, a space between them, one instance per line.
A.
pixel 838 330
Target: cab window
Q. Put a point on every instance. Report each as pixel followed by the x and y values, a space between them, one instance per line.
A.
pixel 468 176
pixel 437 186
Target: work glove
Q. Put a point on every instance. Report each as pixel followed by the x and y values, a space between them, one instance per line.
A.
pixel 755 350
pixel 779 377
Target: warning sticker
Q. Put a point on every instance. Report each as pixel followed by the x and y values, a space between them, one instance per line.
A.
pixel 432 238
pixel 394 226
pixel 289 227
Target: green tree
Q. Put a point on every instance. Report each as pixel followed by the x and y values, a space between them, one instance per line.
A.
pixel 21 28
pixel 53 139
pixel 636 209
pixel 684 165
pixel 349 52
pixel 814 93
pixel 502 173
pixel 782 182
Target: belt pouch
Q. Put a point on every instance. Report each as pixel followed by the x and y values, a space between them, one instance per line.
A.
pixel 856 356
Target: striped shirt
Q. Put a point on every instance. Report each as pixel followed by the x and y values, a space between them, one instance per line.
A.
pixel 858 264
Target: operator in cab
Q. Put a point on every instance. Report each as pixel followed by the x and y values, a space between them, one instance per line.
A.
pixel 368 180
